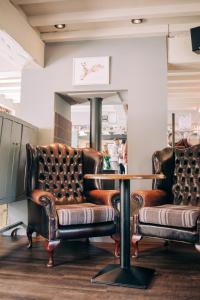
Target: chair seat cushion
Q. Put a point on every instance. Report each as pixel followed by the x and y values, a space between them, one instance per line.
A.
pixel 84 213
pixel 170 215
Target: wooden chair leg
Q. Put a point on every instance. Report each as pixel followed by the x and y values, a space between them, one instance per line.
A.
pixel 87 241
pixel 166 243
pixel 29 233
pixel 50 246
pixel 117 245
pixel 197 246
pixel 135 239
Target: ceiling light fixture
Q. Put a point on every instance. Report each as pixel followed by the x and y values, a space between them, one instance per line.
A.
pixel 136 21
pixel 59 26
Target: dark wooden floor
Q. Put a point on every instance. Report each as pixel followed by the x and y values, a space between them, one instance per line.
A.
pixel 23 274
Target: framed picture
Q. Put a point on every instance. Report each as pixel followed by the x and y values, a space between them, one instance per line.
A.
pixel 91 70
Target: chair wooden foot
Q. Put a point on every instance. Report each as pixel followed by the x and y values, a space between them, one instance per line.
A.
pixel 87 241
pixel 117 249
pixel 50 246
pixel 197 246
pixel 167 244
pixel 135 239
pixel 117 245
pixel 29 233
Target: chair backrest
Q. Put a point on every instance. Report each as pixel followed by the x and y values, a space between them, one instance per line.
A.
pixel 182 170
pixel 163 162
pixel 186 187
pixel 59 169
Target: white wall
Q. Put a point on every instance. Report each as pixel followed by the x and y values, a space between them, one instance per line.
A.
pixel 37 102
pixel 137 65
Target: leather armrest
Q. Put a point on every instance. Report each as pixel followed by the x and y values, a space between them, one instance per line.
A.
pixel 47 202
pixel 150 197
pixel 42 198
pixel 103 197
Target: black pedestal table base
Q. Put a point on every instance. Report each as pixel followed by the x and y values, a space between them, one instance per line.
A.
pixel 134 277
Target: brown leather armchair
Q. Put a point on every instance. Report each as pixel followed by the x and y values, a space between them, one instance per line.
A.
pixel 171 210
pixel 61 203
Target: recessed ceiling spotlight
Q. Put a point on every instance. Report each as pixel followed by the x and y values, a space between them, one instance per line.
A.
pixel 59 26
pixel 136 21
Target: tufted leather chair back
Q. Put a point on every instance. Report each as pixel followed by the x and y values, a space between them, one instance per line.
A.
pixel 186 187
pixel 182 170
pixel 59 169
pixel 163 162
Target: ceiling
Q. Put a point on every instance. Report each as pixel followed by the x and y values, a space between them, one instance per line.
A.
pixel 184 89
pixel 86 19
pixel 12 60
pixel 92 19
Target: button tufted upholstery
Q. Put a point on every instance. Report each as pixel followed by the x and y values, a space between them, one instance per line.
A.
pixel 60 171
pixel 172 209
pixel 62 204
pixel 186 186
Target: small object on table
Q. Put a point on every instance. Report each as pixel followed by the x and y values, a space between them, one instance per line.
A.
pixel 124 274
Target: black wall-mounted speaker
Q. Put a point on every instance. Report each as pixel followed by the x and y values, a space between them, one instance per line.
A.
pixel 195 38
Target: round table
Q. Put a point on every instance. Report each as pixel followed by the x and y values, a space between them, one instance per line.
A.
pixel 124 274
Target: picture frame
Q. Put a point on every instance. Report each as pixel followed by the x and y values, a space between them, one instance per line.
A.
pixel 91 70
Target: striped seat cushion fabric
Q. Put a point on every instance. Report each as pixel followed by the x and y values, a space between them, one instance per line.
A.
pixel 84 213
pixel 170 215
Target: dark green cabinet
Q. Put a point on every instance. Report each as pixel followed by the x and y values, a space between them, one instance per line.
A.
pixel 14 134
pixel 29 135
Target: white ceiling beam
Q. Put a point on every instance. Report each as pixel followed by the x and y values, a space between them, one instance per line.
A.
pixel 184 84
pixel 8 74
pixel 10 80
pixel 184 100
pixel 176 102
pixel 17 27
pixel 184 81
pixel 142 31
pixel 9 84
pixel 116 14
pixel 27 2
pixel 172 106
pixel 184 88
pixel 183 94
pixel 183 73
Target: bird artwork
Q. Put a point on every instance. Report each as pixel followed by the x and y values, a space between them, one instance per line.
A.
pixel 91 70
pixel 86 70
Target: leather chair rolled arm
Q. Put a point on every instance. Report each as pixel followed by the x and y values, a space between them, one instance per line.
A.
pixel 104 197
pixel 44 203
pixel 144 198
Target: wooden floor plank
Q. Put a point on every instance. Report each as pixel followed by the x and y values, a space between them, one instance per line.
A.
pixel 23 275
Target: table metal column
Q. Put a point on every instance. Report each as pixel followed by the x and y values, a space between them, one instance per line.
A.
pixel 124 274
pixel 125 224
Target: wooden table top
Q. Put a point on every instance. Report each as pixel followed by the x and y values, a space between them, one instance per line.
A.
pixel 124 176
